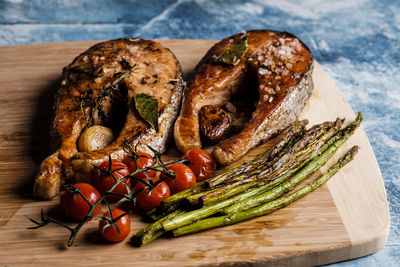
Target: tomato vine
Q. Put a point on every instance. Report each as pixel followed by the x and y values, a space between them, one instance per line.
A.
pixel 158 166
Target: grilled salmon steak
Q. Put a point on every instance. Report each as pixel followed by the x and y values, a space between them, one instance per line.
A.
pixel 98 88
pixel 281 65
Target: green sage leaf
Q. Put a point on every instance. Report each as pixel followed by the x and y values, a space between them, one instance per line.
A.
pixel 232 55
pixel 148 109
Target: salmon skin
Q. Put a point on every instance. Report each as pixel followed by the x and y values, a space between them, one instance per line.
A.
pixel 282 65
pixel 96 84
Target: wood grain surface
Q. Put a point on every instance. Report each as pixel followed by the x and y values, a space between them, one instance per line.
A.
pixel 346 218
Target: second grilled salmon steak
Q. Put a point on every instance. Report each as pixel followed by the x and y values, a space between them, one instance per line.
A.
pixel 282 65
pixel 97 84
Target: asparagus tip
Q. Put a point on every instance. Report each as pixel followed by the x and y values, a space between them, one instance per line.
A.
pixel 359 117
pixel 352 152
pixel 305 122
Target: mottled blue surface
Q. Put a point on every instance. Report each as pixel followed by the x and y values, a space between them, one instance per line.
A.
pixel 357 42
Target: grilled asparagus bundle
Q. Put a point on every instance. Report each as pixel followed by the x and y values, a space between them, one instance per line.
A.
pixel 257 187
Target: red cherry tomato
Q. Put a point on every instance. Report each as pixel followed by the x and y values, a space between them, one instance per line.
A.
pixel 148 200
pixel 76 207
pixel 202 163
pixel 144 160
pixel 184 178
pixel 104 183
pixel 109 232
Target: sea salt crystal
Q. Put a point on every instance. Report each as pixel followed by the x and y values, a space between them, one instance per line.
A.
pixel 262 71
pixel 268 62
pixel 270 90
pixel 95 59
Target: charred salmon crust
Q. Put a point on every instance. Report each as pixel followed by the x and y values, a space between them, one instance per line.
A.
pixel 282 65
pixel 86 97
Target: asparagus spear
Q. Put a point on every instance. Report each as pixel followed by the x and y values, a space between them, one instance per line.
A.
pixel 152 231
pixel 303 150
pixel 297 152
pixel 171 203
pixel 217 194
pixel 341 137
pixel 155 230
pixel 293 156
pixel 267 207
pixel 310 167
pixel 204 212
pixel 298 178
pixel 330 147
pixel 331 137
pixel 292 133
pixel 199 187
pixel 233 189
pixel 345 133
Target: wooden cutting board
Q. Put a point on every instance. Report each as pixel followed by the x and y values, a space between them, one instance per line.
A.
pixel 344 219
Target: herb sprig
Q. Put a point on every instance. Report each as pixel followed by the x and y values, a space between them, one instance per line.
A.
pixel 104 92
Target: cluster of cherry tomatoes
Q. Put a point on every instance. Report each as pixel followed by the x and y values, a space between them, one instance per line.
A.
pixel 202 166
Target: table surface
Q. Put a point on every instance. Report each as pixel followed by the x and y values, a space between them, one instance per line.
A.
pixel 356 42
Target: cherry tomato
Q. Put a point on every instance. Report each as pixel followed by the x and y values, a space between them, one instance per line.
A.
pixel 202 164
pixel 104 183
pixel 144 160
pixel 184 178
pixel 109 232
pixel 77 207
pixel 148 200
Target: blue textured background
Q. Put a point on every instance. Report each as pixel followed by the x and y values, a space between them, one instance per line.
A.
pixel 357 42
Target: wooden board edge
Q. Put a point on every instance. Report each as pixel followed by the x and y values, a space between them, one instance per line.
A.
pixel 362 244
pixel 301 258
